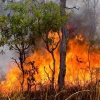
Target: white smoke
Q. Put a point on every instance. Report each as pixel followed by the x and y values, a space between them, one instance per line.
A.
pixel 5 60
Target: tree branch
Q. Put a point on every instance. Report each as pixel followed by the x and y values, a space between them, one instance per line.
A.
pixel 72 8
pixel 50 68
pixel 47 74
pixel 16 62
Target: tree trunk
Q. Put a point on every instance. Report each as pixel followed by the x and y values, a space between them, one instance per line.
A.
pixel 63 47
pixel 53 72
pixel 23 72
pixel 22 83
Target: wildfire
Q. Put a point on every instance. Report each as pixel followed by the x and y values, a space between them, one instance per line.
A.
pixel 80 63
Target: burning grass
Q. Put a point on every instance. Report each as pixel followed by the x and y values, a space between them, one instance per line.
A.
pixel 75 92
pixel 82 74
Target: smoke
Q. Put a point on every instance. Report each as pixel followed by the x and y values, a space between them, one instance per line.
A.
pixel 5 61
pixel 85 20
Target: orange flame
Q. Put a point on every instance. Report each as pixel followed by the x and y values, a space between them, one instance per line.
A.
pixel 80 63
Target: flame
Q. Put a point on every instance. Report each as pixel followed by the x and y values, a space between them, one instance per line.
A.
pixel 80 63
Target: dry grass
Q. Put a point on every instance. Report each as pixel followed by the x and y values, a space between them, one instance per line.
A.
pixel 89 92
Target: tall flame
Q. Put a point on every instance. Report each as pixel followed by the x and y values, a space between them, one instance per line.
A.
pixel 80 63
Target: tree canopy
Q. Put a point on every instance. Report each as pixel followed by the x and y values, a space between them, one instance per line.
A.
pixel 28 20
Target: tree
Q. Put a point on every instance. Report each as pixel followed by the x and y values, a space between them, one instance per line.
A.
pixel 49 22
pixel 31 72
pixel 63 48
pixel 15 33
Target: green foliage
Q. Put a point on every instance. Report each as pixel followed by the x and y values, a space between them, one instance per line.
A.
pixel 47 18
pixel 26 22
pixel 15 26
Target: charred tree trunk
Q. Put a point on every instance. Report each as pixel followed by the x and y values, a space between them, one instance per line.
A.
pixel 63 47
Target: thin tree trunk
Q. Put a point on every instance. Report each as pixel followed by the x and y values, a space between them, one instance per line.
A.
pixel 22 83
pixel 63 47
pixel 53 71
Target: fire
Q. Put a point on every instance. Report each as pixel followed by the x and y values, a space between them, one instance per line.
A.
pixel 11 82
pixel 80 63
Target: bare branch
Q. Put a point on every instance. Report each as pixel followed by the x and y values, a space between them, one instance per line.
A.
pixel 56 45
pixel 43 38
pixel 16 63
pixel 51 68
pixel 17 47
pixel 72 8
pixel 25 48
pixel 47 74
pixel 14 48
